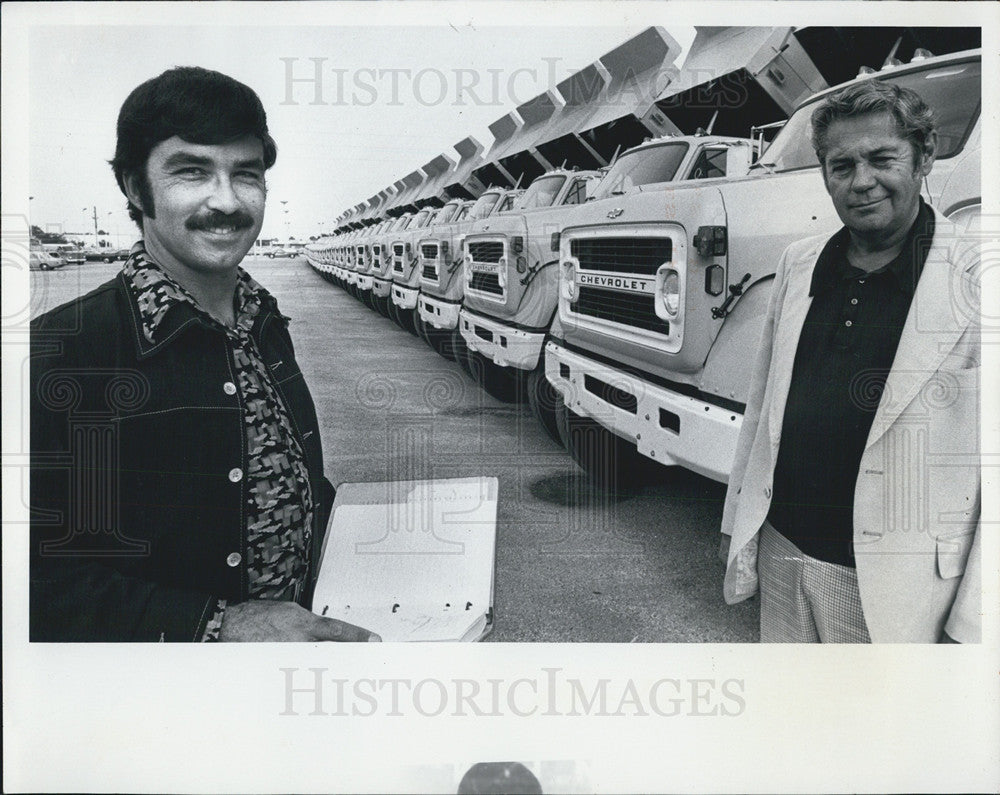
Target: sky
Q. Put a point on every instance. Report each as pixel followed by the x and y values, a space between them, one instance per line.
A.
pixel 391 97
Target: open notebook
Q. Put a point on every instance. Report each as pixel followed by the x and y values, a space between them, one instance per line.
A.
pixel 411 560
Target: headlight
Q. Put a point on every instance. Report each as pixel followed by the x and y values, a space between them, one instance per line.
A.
pixel 670 291
pixel 567 283
pixel 502 272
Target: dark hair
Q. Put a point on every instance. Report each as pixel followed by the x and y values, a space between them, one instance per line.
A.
pixel 914 118
pixel 198 105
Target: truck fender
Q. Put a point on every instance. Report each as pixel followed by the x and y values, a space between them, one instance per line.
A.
pixel 731 358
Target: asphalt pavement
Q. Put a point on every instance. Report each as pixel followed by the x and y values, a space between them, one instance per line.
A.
pixel 572 564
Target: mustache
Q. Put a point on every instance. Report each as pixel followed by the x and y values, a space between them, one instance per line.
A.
pixel 238 219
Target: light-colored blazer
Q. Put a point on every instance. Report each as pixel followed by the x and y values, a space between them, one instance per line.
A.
pixel 917 497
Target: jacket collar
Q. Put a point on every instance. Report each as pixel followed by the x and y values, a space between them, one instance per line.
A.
pixel 945 305
pixel 905 268
pixel 160 308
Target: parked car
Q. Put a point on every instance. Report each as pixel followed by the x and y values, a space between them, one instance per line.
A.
pixel 279 252
pixel 72 254
pixel 41 260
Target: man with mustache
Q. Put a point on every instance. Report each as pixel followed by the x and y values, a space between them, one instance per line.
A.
pixel 854 497
pixel 177 479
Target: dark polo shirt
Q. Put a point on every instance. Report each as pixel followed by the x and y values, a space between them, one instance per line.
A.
pixel 845 352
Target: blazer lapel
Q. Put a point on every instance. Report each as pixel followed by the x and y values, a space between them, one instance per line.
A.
pixel 793 314
pixel 933 326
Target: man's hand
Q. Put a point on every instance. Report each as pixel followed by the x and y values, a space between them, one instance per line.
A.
pixel 260 620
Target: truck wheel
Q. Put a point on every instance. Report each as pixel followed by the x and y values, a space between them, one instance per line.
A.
pixel 407 320
pixel 611 463
pixel 423 330
pixel 545 401
pixel 445 343
pixel 462 353
pixel 393 311
pixel 506 384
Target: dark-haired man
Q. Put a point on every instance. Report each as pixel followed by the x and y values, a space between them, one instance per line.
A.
pixel 854 497
pixel 177 482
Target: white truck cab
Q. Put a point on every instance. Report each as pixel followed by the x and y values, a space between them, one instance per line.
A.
pixel 662 292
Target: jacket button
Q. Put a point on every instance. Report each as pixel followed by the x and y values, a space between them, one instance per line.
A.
pixel 229 388
pixel 236 474
pixel 234 559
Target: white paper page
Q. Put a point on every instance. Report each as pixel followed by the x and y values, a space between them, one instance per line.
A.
pixel 422 623
pixel 429 552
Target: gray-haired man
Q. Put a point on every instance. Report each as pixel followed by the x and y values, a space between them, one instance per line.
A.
pixel 832 467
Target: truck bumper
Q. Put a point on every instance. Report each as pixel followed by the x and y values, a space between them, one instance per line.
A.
pixel 665 426
pixel 438 313
pixel 381 288
pixel 404 297
pixel 503 345
pixel 364 282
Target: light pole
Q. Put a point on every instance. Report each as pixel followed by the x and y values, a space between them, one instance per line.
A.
pixel 284 203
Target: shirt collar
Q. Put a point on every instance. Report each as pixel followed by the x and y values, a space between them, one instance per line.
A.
pixel 156 294
pixel 905 268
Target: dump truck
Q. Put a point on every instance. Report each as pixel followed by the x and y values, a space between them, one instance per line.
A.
pixel 512 286
pixel 663 293
pixel 441 275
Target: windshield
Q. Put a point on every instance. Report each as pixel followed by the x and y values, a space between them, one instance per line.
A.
pixel 463 211
pixel 484 205
pixel 402 223
pixel 542 192
pixel 444 214
pixel 420 219
pixel 644 166
pixel 952 91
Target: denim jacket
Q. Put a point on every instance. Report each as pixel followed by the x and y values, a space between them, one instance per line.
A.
pixel 138 506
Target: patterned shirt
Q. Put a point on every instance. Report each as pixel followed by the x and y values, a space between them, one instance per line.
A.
pixel 279 499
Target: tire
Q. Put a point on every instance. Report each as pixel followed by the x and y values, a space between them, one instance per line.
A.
pixel 545 402
pixel 407 319
pixel 442 341
pixel 611 463
pixel 381 305
pixel 423 330
pixel 109 259
pixel 393 311
pixel 445 344
pixel 506 384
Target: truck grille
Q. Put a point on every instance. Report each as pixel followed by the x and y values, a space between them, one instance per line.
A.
pixel 429 251
pixel 397 258
pixel 486 283
pixel 626 308
pixel 639 255
pixel 486 251
pixel 430 271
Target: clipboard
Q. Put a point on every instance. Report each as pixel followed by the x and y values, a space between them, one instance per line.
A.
pixel 412 560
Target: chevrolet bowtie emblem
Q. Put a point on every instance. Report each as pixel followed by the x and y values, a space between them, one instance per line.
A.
pixel 615 212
